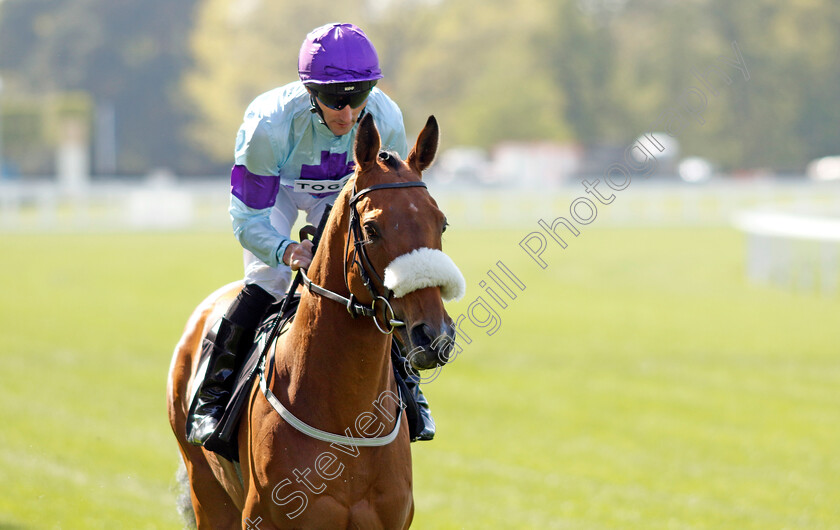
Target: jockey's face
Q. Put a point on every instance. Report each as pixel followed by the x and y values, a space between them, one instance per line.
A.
pixel 340 122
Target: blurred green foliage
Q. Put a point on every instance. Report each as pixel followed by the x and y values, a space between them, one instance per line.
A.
pixel 32 127
pixel 592 71
pixel 128 55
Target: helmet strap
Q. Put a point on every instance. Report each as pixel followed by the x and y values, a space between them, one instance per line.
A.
pixel 315 108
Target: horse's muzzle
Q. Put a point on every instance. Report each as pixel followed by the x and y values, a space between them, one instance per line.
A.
pixel 430 348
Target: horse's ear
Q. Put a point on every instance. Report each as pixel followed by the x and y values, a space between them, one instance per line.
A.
pixel 423 152
pixel 367 143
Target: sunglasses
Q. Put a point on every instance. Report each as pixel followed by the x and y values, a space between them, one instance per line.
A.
pixel 339 101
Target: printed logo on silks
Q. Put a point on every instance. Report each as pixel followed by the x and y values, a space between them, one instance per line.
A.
pixel 321 187
pixel 328 177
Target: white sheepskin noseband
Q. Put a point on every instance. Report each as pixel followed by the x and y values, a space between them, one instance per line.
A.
pixel 425 267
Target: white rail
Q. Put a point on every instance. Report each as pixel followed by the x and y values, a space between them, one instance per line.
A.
pixel 203 205
pixel 792 250
pixel 114 207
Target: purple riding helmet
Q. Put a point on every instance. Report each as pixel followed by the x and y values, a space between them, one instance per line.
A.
pixel 339 66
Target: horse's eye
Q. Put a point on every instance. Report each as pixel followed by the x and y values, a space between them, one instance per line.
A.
pixel 445 224
pixel 371 231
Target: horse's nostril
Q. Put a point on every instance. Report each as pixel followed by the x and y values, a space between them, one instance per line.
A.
pixel 421 335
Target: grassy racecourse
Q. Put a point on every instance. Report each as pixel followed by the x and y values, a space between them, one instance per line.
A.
pixel 638 381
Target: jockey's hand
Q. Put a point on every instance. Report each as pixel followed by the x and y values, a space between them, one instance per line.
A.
pixel 298 255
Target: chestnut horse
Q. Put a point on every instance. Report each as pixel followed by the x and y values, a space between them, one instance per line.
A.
pixel 339 457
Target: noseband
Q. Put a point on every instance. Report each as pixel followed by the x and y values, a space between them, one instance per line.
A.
pixel 366 269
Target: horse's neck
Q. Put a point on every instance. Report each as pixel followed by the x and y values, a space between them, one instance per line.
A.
pixel 333 366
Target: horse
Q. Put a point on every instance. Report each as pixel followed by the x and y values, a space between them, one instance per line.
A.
pixel 322 441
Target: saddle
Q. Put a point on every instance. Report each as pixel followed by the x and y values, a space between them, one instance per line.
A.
pixel 224 440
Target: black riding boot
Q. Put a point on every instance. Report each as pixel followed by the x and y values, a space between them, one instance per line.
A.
pixel 425 431
pixel 229 348
pixel 214 392
pixel 428 431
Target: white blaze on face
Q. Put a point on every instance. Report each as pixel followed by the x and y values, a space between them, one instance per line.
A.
pixel 425 267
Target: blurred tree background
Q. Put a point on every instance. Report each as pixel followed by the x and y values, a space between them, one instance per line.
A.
pixel 169 81
pixel 127 55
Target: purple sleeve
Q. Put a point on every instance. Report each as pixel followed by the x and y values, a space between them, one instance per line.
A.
pixel 255 191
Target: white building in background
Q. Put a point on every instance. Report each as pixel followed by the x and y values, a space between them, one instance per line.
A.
pixel 534 164
pixel 509 164
pixel 462 165
pixel 824 169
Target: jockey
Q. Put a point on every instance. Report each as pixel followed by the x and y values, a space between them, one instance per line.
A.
pixel 294 151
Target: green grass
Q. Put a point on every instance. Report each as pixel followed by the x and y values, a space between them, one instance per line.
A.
pixel 638 381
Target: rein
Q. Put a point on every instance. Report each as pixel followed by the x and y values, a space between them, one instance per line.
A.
pixel 318 434
pixel 355 308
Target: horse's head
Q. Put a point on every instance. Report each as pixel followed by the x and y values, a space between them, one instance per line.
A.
pixel 394 255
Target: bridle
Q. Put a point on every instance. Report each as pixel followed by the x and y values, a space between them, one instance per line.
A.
pixel 366 269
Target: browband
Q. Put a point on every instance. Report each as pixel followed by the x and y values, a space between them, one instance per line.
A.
pixel 388 185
